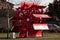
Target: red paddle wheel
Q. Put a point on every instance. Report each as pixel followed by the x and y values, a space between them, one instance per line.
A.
pixel 25 17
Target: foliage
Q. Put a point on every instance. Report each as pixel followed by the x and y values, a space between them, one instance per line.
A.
pixel 54 9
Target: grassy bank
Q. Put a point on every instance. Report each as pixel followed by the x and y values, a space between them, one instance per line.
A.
pixel 46 36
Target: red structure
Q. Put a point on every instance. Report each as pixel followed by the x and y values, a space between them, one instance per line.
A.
pixel 26 17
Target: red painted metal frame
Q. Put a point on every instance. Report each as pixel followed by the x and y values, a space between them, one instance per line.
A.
pixel 24 20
